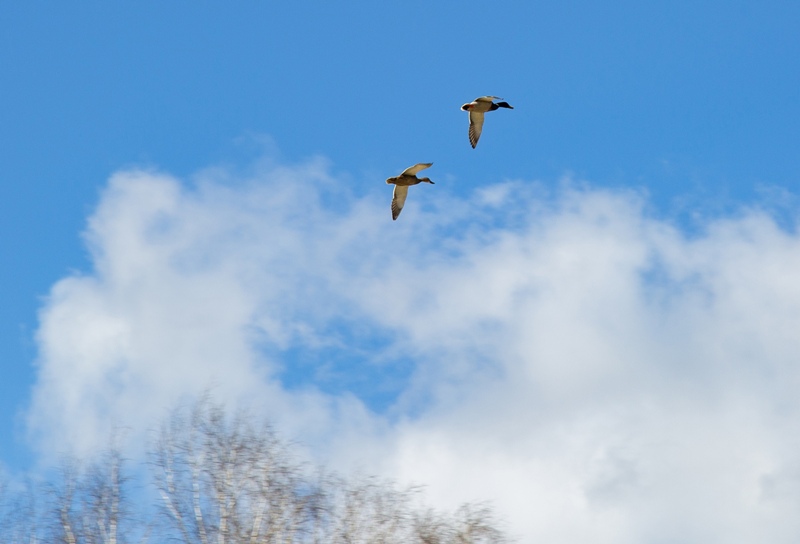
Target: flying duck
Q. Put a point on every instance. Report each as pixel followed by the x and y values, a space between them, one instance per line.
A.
pixel 476 109
pixel 401 184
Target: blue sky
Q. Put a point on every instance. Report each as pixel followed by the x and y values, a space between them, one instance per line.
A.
pixel 156 156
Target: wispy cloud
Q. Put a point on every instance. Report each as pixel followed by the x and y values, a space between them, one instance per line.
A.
pixel 594 370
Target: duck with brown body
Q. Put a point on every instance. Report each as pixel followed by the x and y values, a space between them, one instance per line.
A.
pixel 476 109
pixel 401 184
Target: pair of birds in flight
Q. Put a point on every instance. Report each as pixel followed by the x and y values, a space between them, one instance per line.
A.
pixel 408 177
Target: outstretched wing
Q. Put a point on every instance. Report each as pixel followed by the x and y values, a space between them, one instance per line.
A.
pixel 398 199
pixel 487 98
pixel 412 170
pixel 475 127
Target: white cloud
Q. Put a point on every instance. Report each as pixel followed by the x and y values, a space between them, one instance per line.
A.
pixel 595 371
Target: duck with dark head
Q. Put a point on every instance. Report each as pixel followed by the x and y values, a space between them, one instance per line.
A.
pixel 476 109
pixel 401 184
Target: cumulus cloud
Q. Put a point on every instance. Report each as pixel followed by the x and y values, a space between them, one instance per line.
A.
pixel 596 371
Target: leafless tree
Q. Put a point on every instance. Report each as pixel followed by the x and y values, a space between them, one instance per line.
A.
pixel 82 503
pixel 89 504
pixel 223 480
pixel 226 480
pixel 18 514
pixel 368 511
pixel 476 523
